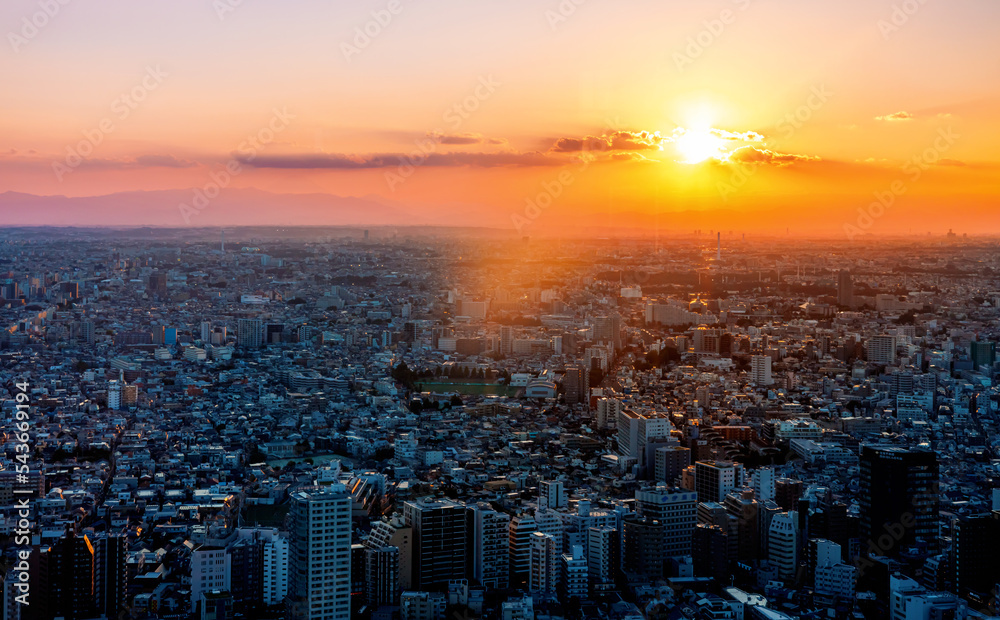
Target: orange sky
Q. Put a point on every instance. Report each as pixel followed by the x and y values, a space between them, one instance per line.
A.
pixel 762 114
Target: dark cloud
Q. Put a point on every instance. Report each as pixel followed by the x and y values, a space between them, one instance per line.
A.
pixel 390 160
pixel 460 139
pixel 617 141
pixel 753 155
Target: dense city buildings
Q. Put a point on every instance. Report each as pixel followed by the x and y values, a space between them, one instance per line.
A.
pixel 323 424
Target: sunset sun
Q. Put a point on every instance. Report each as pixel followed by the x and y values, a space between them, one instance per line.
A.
pixel 698 145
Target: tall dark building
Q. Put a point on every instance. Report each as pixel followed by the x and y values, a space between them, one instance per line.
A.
pixel 983 353
pixel 157 285
pixel 787 492
pixel 439 541
pixel 975 552
pixel 62 580
pixel 246 560
pixel 710 548
pixel 845 288
pixel 577 384
pixel 110 575
pixel 899 500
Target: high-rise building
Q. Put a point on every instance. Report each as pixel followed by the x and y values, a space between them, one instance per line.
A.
pixel 845 288
pixel 110 575
pixel 157 285
pixel 831 576
pixel 975 552
pixel 760 370
pixel 882 349
pixel 393 532
pixel 577 384
pixel 670 462
pixel 114 394
pixel 763 484
pixel 742 506
pixel 677 509
pixel 544 564
pixel 552 494
pixel 490 546
pixel 573 574
pixel 506 339
pixel 522 526
pixel 206 332
pixel 636 430
pixel 319 564
pixel 787 492
pixel 62 580
pixel 782 544
pixel 250 333
pixel 382 576
pixel 899 497
pixel 603 557
pixel 440 535
pixel 983 353
pixel 210 571
pixel 714 480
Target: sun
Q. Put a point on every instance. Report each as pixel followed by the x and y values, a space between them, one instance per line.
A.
pixel 697 145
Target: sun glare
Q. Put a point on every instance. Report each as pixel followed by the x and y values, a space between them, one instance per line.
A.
pixel 697 145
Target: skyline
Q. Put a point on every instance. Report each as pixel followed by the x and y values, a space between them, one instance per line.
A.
pixel 846 120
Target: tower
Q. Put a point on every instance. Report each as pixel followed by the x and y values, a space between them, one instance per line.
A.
pixel 845 288
pixel 320 558
pixel 899 499
pixel 439 541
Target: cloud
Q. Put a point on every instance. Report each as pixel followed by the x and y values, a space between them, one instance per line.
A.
pixel 465 139
pixel 950 162
pixel 391 160
pixel 617 141
pixel 902 115
pixel 140 161
pixel 753 155
pixel 746 136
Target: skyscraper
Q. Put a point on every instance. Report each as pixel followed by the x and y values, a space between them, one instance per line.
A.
pixel 320 558
pixel 845 288
pixel 983 353
pixel 249 333
pixel 760 370
pixel 715 479
pixel 576 384
pixel 440 536
pixel 899 499
pixel 882 349
pixel 782 544
pixel 490 546
pixel 62 580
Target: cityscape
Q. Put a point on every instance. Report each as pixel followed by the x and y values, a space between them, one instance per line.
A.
pixel 374 424
pixel 481 310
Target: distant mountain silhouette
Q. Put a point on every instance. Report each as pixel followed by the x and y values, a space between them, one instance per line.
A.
pixel 232 207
